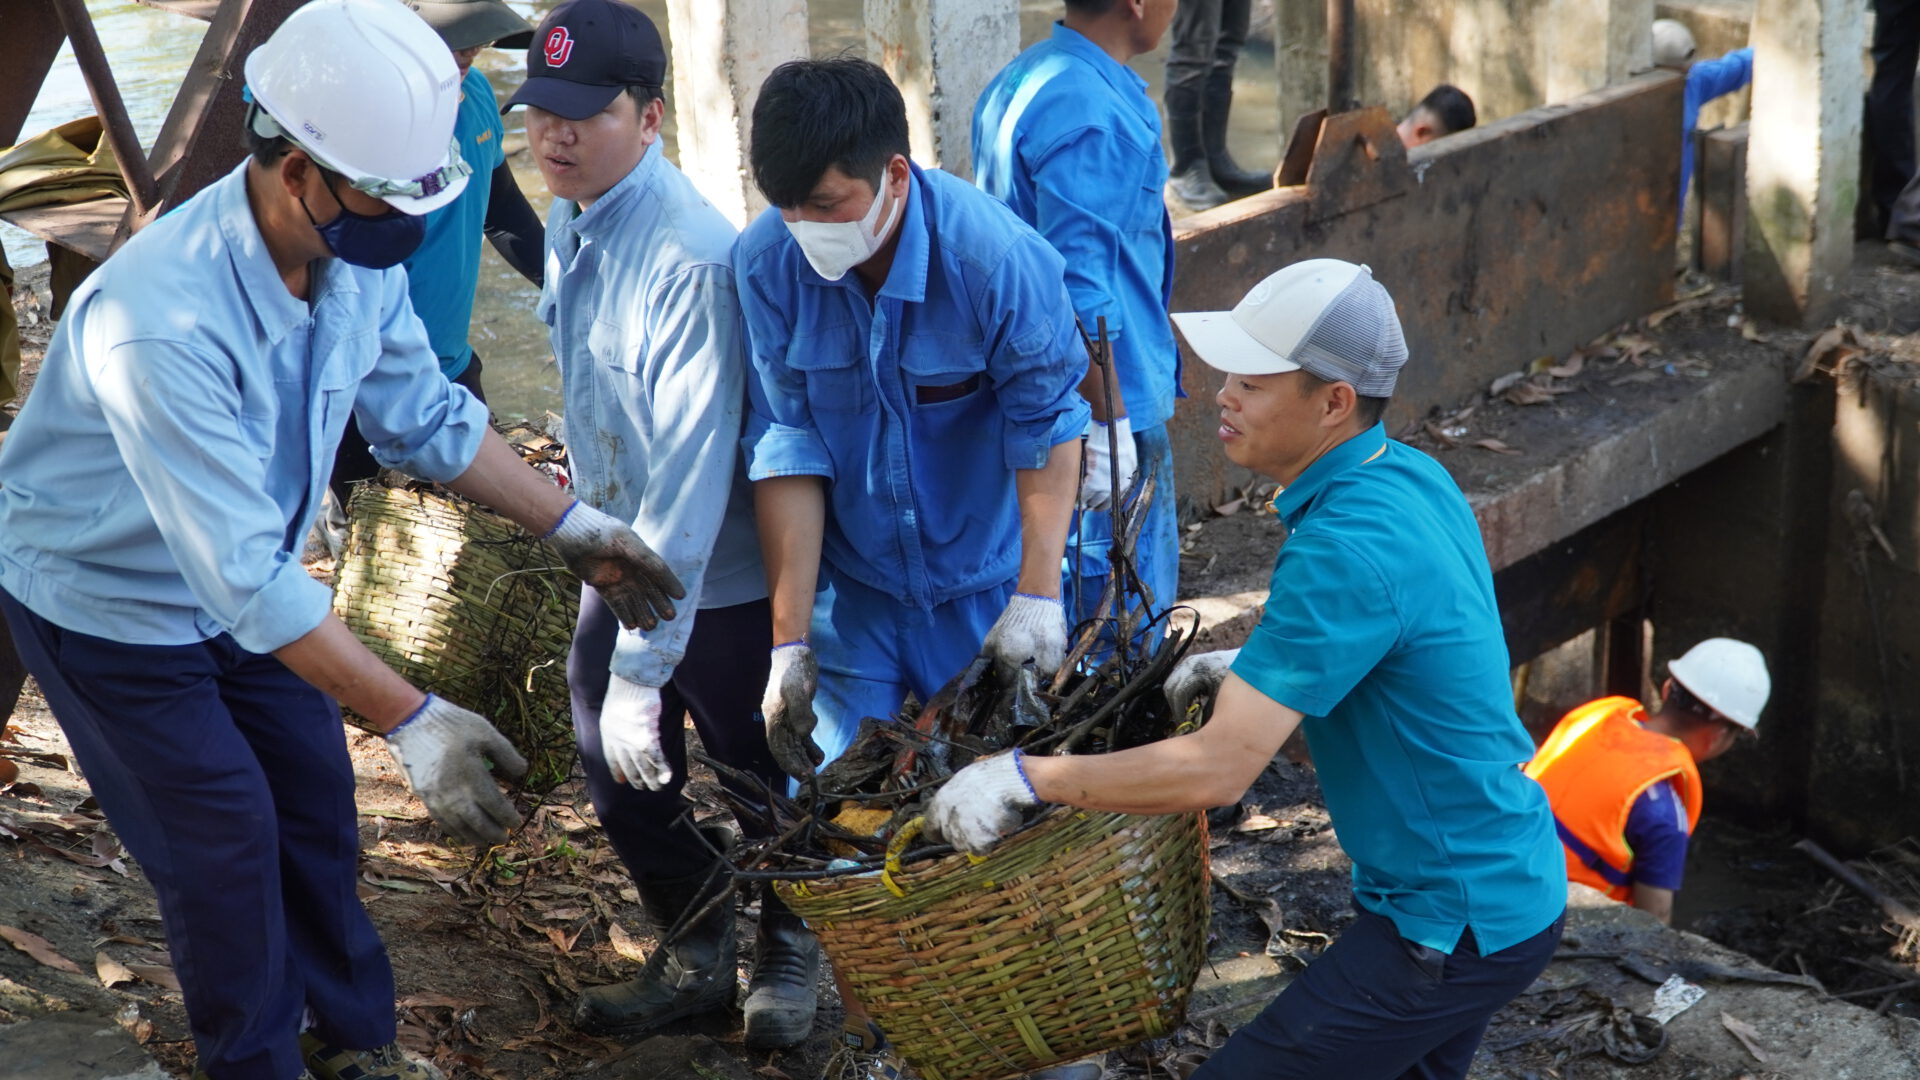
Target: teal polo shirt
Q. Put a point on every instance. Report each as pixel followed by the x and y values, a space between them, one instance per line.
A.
pixel 443 274
pixel 1383 631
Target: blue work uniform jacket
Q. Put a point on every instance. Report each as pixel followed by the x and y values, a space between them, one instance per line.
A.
pixel 1067 137
pixel 918 405
pixel 161 480
pixel 640 307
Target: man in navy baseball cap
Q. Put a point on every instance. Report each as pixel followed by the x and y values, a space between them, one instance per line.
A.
pixel 585 53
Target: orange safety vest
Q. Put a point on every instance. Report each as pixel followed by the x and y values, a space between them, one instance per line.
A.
pixel 1595 764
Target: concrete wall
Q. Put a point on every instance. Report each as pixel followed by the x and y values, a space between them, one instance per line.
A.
pixel 1508 55
pixel 1482 251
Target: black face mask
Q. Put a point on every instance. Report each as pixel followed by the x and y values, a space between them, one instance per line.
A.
pixel 373 242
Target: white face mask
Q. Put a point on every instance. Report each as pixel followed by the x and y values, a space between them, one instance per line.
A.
pixel 834 247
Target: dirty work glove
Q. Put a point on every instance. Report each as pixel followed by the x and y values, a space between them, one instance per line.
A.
pixel 443 750
pixel 608 555
pixel 788 708
pixel 1096 488
pixel 981 803
pixel 630 735
pixel 1197 676
pixel 1031 628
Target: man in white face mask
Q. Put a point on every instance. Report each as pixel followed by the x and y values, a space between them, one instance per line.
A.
pixel 914 423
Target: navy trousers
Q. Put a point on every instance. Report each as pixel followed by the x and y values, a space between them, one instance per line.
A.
pixel 719 682
pixel 226 775
pixel 1376 1006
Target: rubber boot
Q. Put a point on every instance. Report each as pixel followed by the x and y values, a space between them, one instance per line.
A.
pixel 782 996
pixel 1238 183
pixel 1190 182
pixel 687 976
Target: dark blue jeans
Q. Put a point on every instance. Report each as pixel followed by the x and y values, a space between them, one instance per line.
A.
pixel 1376 1006
pixel 226 775
pixel 719 683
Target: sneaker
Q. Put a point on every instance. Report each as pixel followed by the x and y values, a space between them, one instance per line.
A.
pixel 867 1056
pixel 389 1062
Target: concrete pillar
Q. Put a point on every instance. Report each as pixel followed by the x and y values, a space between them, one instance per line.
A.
pixel 1594 43
pixel 722 52
pixel 1300 52
pixel 1803 155
pixel 942 54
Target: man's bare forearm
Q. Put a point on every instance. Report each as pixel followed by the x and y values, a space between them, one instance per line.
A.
pixel 791 512
pixel 500 480
pixel 337 664
pixel 1046 510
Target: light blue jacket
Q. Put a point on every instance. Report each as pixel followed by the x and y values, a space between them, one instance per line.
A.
pixel 160 482
pixel 1067 137
pixel 917 406
pixel 640 307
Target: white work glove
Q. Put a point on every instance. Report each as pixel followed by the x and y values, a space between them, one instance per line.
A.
pixel 1196 676
pixel 1096 487
pixel 443 750
pixel 981 804
pixel 608 555
pixel 1031 628
pixel 630 735
pixel 787 707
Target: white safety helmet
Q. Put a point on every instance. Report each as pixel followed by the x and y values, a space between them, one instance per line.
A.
pixel 1672 43
pixel 368 90
pixel 1728 676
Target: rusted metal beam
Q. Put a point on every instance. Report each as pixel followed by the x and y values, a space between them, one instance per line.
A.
pixel 106 100
pixel 1722 182
pixel 33 37
pixel 1594 577
pixel 201 139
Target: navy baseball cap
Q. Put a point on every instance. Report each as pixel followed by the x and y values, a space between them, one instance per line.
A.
pixel 584 53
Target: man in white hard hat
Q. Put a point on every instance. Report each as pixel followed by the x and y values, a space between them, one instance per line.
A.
pixel 159 484
pixel 641 309
pixel 1625 783
pixel 1382 639
pixel 1706 80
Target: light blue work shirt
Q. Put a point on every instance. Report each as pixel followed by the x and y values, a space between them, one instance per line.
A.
pixel 162 477
pixel 918 405
pixel 1706 80
pixel 445 271
pixel 640 307
pixel 1383 630
pixel 1067 136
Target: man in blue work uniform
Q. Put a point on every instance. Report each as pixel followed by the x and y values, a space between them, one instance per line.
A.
pixel 158 485
pixel 914 424
pixel 640 307
pixel 1706 80
pixel 1068 138
pixel 1383 637
pixel 444 272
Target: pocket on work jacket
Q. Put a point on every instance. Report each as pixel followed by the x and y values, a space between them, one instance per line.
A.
pixel 834 365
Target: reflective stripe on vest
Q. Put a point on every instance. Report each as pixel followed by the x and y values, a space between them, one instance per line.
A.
pixel 1596 763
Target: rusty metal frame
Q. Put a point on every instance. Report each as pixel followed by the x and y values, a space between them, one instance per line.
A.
pixel 105 92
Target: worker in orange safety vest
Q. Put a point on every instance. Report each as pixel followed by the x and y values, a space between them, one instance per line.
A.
pixel 1625 784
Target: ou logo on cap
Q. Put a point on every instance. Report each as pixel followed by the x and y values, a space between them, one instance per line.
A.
pixel 559 47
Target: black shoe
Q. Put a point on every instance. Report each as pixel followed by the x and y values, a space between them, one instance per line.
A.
pixel 1238 183
pixel 783 995
pixel 691 974
pixel 1190 183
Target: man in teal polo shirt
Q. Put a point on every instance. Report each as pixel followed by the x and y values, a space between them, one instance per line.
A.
pixel 1382 638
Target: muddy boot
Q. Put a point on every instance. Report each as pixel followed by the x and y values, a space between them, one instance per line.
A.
pixel 689 975
pixel 1238 183
pixel 786 969
pixel 1190 183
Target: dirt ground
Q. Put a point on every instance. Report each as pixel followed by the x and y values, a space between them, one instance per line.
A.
pixel 489 954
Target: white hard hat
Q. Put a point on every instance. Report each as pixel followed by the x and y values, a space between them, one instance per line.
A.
pixel 368 90
pixel 1672 42
pixel 1326 316
pixel 1728 676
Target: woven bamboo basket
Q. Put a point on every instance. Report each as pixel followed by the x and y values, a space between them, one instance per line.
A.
pixel 1080 934
pixel 465 604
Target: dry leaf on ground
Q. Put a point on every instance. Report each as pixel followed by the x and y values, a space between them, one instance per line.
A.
pixel 1438 434
pixel 624 944
pixel 158 974
pixel 1501 384
pixel 1835 346
pixel 112 972
pixel 1748 1035
pixel 1497 446
pixel 39 948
